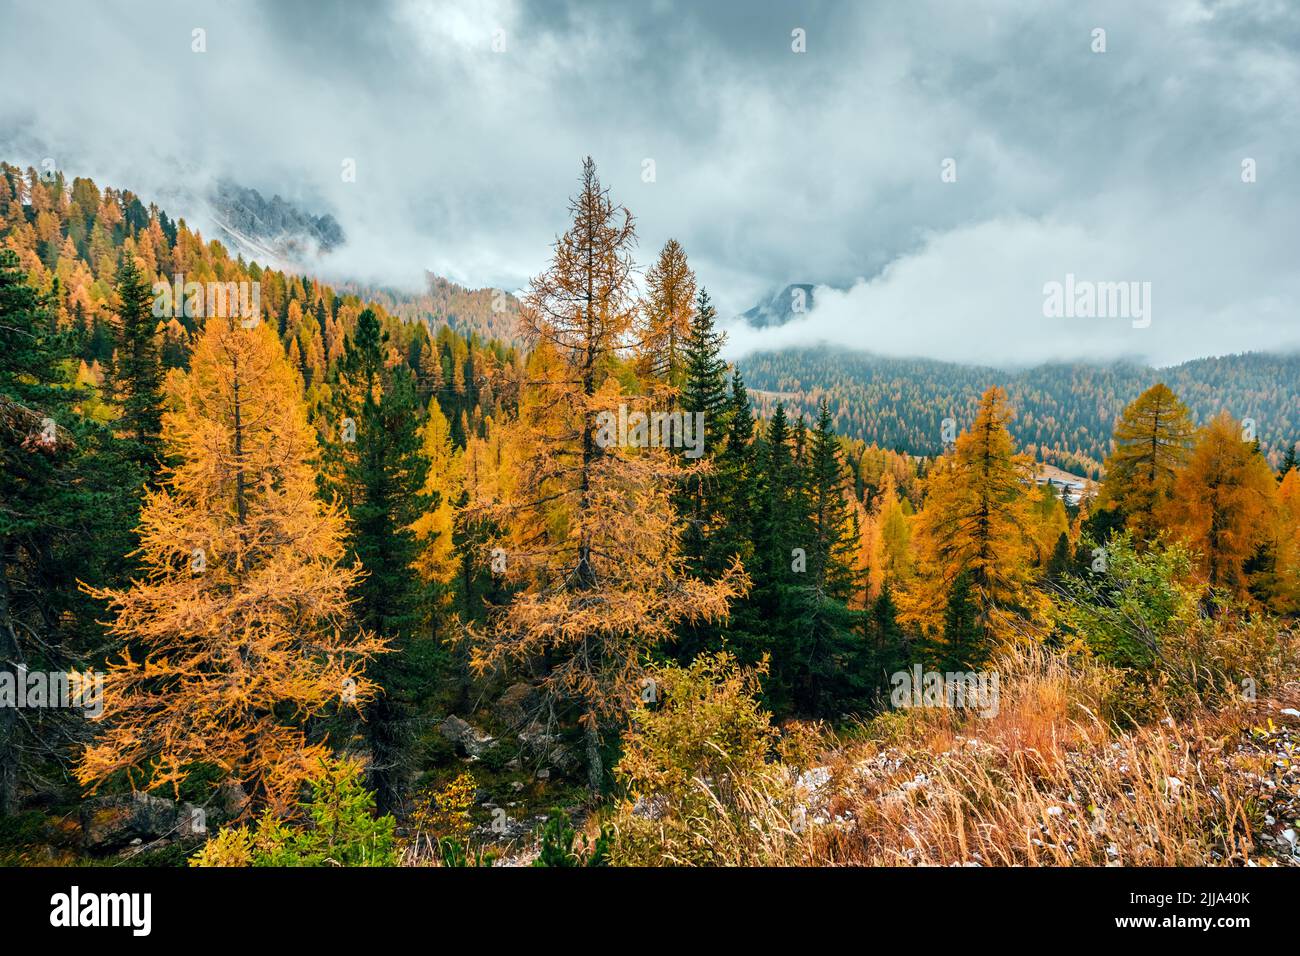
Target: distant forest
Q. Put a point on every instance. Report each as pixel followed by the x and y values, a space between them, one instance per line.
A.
pixel 1065 413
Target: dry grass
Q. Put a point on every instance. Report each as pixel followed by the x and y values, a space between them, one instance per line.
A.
pixel 1080 766
pixel 1050 781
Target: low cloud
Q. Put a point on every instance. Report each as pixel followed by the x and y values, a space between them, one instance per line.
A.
pixel 468 120
pixel 977 293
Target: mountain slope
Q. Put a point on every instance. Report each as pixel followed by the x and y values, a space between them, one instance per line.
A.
pixel 781 307
pixel 271 230
pixel 1065 413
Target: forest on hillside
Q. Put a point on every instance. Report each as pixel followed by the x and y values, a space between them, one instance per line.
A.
pixel 365 587
pixel 1065 413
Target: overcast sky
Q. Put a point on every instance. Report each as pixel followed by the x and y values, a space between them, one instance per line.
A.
pixel 770 166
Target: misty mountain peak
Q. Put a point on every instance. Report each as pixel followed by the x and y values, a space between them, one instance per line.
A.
pixel 781 307
pixel 274 229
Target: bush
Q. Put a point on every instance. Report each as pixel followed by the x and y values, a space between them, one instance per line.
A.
pixel 445 813
pixel 343 830
pixel 557 839
pixel 1142 615
pixel 1127 611
pixel 1235 655
pixel 700 787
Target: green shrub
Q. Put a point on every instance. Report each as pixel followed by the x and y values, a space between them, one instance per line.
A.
pixel 342 829
pixel 701 787
pixel 1144 614
pixel 557 844
pixel 1128 609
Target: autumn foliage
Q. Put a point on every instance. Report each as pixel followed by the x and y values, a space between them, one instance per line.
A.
pixel 343 480
pixel 237 633
pixel 590 537
pixel 976 522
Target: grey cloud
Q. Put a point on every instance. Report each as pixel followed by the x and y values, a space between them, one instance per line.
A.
pixel 771 166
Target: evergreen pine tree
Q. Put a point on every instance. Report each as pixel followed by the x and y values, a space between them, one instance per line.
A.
pixel 830 558
pixel 965 644
pixel 1288 462
pixel 704 396
pixel 735 477
pixel 827 659
pixel 64 521
pixel 1062 559
pixel 139 369
pixel 380 476
pixel 705 387
pixel 890 648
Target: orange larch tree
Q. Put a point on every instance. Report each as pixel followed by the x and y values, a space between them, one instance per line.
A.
pixel 1285 593
pixel 1224 503
pixel 438 562
pixel 238 632
pixel 1152 440
pixel 591 538
pixel 977 523
pixel 666 311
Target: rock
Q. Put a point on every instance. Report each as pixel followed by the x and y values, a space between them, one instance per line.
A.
pixel 466 738
pixel 229 802
pixel 514 708
pixel 545 750
pixel 506 829
pixel 813 780
pixel 111 823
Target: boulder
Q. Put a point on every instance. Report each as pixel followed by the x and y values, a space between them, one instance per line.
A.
pixel 466 738
pixel 229 802
pixel 545 750
pixel 515 707
pixel 504 828
pixel 649 808
pixel 111 823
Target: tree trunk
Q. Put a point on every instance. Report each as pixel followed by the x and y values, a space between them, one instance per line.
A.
pixel 595 771
pixel 384 732
pixel 9 659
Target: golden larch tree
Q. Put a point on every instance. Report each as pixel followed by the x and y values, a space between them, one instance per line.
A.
pixel 665 322
pixel 1224 503
pixel 1153 438
pixel 978 520
pixel 438 562
pixel 1285 596
pixel 592 540
pixel 238 632
pixel 895 534
pixel 1050 522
